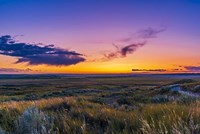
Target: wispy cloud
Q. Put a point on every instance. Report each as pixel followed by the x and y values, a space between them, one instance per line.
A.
pixel 150 32
pixel 127 39
pixel 149 70
pixel 36 54
pixel 15 70
pixel 124 50
pixel 192 68
pixel 144 34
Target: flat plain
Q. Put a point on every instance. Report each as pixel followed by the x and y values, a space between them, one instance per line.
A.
pixel 99 103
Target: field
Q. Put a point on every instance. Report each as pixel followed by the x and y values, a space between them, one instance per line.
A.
pixel 140 104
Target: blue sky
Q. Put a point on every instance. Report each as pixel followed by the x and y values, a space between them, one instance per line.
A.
pixel 90 27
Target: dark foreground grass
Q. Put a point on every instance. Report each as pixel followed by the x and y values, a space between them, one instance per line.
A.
pixel 77 115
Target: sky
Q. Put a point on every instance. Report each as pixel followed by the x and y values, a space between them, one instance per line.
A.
pixel 99 36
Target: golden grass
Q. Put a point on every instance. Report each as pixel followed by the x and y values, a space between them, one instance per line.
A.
pixel 21 105
pixel 149 118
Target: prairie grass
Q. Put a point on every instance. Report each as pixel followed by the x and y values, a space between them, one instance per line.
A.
pixel 78 115
pixel 112 105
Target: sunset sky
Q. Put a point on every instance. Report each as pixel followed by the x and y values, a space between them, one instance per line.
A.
pixel 99 36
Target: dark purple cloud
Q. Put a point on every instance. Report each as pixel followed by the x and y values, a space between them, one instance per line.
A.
pixel 111 55
pixel 122 51
pixel 192 68
pixel 36 54
pixel 14 70
pixel 129 49
pixel 177 69
pixel 149 70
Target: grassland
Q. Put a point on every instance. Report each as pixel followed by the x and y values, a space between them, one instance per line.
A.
pixel 99 104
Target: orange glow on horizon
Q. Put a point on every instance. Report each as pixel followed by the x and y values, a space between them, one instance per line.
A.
pixel 117 66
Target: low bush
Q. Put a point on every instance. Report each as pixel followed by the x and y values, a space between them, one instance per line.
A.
pixel 124 101
pixel 34 121
pixel 30 97
pixel 186 99
pixel 197 88
pixel 183 81
pixel 162 99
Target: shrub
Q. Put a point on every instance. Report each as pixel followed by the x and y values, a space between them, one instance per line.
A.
pixel 30 97
pixel 7 118
pixel 99 100
pixel 165 89
pixel 183 81
pixel 58 107
pixel 2 131
pixel 14 99
pixel 197 88
pixel 162 98
pixel 123 101
pixel 34 121
pixel 186 99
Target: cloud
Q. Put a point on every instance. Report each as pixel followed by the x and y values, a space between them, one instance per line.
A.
pixel 150 32
pixel 177 69
pixel 143 34
pixel 149 70
pixel 14 70
pixel 122 51
pixel 192 68
pixel 126 39
pixel 110 56
pixel 129 49
pixel 36 54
